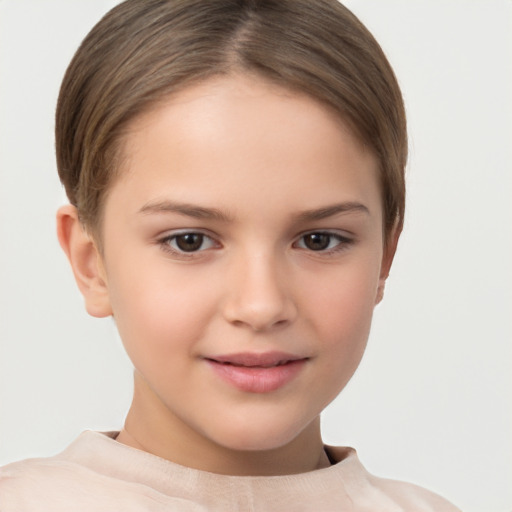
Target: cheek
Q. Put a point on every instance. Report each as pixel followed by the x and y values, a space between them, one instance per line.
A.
pixel 345 324
pixel 341 310
pixel 160 312
pixel 345 298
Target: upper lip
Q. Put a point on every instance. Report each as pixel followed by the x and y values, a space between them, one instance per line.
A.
pixel 252 359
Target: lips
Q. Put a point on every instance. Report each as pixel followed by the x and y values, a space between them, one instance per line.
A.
pixel 249 359
pixel 257 373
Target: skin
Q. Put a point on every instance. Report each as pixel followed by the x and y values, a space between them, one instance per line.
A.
pixel 255 169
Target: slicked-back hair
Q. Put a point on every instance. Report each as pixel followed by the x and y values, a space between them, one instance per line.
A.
pixel 142 51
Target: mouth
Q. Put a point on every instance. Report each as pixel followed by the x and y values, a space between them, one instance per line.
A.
pixel 257 373
pixel 254 360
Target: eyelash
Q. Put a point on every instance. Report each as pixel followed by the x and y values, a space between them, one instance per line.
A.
pixel 343 242
pixel 166 242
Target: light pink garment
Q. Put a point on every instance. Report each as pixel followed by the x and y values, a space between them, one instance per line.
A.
pixel 98 474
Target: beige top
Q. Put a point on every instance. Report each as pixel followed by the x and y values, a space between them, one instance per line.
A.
pixel 98 474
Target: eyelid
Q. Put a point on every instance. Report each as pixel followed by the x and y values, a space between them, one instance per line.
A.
pixel 344 239
pixel 163 242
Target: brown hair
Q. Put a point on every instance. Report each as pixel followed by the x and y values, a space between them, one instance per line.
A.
pixel 143 50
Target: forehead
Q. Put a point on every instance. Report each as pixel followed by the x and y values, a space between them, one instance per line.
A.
pixel 241 136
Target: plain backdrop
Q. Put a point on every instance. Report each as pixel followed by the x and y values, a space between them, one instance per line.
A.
pixel 431 402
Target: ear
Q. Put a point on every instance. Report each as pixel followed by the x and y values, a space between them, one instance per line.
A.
pixel 387 259
pixel 86 261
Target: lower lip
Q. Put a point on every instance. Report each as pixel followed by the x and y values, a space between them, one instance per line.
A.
pixel 257 379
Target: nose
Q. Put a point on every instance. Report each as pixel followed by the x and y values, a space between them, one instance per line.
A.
pixel 259 294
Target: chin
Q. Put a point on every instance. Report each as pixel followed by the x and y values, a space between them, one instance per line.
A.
pixel 258 435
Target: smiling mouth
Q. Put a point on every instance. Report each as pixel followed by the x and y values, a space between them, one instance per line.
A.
pixel 251 360
pixel 257 373
pixel 241 365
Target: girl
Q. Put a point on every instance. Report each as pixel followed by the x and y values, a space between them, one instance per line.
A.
pixel 236 177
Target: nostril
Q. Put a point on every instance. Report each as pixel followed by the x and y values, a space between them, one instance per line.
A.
pixel 261 326
pixel 259 301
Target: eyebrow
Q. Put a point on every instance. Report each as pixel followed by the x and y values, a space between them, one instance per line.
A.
pixel 330 211
pixel 190 210
pixel 200 212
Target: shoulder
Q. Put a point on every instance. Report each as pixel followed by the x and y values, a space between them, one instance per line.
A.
pixel 30 484
pixel 24 483
pixel 413 497
pixel 367 492
pixel 56 485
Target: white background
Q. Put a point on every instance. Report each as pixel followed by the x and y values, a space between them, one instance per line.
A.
pixel 432 401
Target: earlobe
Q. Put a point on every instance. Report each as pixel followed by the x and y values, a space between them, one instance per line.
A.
pixel 387 260
pixel 85 260
pixel 380 291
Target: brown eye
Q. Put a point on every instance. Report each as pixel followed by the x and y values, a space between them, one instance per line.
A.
pixel 317 241
pixel 189 242
pixel 323 241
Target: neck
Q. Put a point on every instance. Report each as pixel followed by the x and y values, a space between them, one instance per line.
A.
pixel 152 428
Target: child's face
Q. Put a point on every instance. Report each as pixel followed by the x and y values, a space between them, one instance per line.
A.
pixel 245 231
